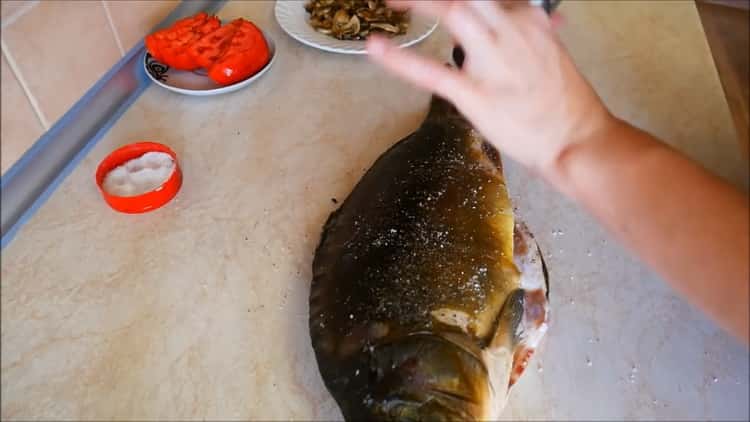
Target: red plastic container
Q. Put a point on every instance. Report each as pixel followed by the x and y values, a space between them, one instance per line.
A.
pixel 150 200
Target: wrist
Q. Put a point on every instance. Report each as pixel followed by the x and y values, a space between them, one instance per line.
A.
pixel 557 171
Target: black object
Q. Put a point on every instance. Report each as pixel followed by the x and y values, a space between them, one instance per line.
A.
pixel 156 69
pixel 549 6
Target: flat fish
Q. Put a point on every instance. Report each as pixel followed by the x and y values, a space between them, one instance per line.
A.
pixel 427 298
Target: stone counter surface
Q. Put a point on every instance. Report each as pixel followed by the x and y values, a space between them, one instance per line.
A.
pixel 199 309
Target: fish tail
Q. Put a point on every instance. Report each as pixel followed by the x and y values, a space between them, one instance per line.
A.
pixel 441 108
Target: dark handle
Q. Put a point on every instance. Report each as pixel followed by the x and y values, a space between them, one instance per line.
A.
pixel 549 6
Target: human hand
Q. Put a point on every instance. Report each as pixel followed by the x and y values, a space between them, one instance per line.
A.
pixel 518 85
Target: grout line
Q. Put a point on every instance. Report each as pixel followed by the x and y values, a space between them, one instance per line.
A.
pixel 113 28
pixel 21 81
pixel 18 13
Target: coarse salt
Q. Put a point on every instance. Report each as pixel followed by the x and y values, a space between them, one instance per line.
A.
pixel 139 175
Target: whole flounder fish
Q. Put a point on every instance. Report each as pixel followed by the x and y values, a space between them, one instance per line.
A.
pixel 427 298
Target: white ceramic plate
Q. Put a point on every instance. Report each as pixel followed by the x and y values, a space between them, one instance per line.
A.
pixel 292 17
pixel 196 82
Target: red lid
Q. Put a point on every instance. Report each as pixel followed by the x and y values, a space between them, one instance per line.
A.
pixel 149 200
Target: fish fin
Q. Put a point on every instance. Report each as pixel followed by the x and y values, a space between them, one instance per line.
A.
pixel 522 321
pixel 505 333
pixel 535 304
pixel 520 327
pixel 529 332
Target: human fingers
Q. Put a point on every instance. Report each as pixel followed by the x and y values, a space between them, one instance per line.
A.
pixel 459 17
pixel 492 13
pixel 425 73
pixel 525 11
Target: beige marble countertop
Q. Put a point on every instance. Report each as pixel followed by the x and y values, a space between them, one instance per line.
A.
pixel 199 310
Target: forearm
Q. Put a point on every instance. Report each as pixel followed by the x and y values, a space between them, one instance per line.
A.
pixel 687 224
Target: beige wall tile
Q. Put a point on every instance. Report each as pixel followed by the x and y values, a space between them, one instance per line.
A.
pixel 19 126
pixel 10 9
pixel 134 19
pixel 62 48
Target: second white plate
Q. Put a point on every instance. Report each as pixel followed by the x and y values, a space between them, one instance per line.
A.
pixel 292 17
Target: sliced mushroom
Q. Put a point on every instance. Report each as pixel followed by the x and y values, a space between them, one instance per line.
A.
pixel 341 18
pixel 355 19
pixel 385 27
pixel 351 29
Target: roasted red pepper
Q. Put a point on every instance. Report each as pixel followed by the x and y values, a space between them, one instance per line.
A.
pixel 210 47
pixel 170 45
pixel 230 53
pixel 246 54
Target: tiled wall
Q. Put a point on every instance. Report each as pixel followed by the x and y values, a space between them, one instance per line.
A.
pixel 54 51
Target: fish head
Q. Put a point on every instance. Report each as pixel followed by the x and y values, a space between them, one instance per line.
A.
pixel 428 377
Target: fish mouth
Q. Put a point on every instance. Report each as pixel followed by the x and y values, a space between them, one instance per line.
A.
pixel 432 405
pixel 457 340
pixel 432 376
pixel 437 408
pixel 453 396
